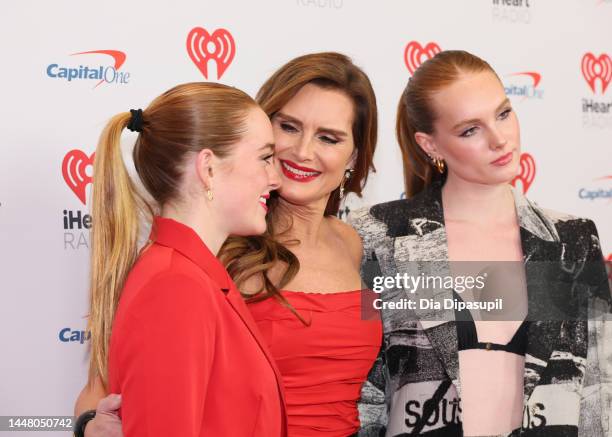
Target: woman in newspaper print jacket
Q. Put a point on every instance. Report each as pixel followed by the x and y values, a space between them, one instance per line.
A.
pixel 556 380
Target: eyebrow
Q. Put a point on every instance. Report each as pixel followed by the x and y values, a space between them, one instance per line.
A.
pixel 476 120
pixel 339 133
pixel 268 146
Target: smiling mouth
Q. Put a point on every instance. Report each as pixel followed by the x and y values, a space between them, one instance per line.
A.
pixel 263 201
pixel 298 173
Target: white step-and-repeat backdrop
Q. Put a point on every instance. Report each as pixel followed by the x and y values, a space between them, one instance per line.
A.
pixel 68 66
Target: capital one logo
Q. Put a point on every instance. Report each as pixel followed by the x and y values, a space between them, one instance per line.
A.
pixel 535 77
pixel 77 170
pixel 594 68
pixel 218 47
pixel 415 54
pixel 526 85
pixel 69 335
pixel 108 74
pixel 526 175
pixel 596 192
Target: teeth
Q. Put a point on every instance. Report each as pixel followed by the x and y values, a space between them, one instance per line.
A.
pixel 263 199
pixel 299 172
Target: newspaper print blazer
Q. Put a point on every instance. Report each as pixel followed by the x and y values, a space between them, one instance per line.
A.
pixel 413 387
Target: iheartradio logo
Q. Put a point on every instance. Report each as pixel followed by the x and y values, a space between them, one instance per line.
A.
pixel 415 54
pixel 218 47
pixel 594 68
pixel 526 175
pixel 75 167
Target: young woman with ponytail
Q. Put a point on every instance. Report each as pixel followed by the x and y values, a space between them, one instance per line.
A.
pixel 544 368
pixel 301 277
pixel 169 329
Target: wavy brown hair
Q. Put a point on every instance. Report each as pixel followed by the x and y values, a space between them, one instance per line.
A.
pixel 415 112
pixel 183 120
pixel 247 257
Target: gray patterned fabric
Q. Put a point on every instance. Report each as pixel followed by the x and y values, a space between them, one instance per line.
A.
pixel 413 387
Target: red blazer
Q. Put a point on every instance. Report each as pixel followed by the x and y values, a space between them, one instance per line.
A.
pixel 185 352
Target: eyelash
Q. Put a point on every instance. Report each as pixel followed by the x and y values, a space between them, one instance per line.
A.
pixel 291 129
pixel 269 158
pixel 505 113
pixel 470 132
pixel 329 140
pixel 287 127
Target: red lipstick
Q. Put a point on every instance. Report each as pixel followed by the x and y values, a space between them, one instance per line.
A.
pixel 265 196
pixel 297 172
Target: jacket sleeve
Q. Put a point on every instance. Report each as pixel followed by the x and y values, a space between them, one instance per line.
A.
pixel 596 401
pixel 166 348
pixel 372 406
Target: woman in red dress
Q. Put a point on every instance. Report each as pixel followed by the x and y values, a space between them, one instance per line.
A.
pixel 181 333
pixel 301 278
pixel 308 300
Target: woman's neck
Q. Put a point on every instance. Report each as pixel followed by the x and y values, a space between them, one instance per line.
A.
pixel 466 201
pixel 306 221
pixel 212 234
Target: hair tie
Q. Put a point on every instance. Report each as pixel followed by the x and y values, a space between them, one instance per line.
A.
pixel 135 124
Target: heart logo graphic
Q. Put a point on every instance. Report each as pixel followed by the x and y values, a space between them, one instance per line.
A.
pixel 526 173
pixel 203 47
pixel 597 68
pixel 415 54
pixel 74 169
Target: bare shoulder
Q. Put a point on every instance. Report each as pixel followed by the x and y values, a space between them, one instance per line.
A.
pixel 350 238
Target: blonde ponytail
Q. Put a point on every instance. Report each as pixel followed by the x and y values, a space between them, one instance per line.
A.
pixel 184 120
pixel 114 240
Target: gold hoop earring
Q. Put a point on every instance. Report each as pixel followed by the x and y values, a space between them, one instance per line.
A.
pixel 209 194
pixel 347 174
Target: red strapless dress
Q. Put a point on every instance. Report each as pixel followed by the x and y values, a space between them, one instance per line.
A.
pixel 323 365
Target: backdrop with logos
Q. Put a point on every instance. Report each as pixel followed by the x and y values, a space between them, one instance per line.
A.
pixel 68 67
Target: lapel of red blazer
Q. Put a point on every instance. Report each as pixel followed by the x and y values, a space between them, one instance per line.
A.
pixel 235 299
pixel 182 238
